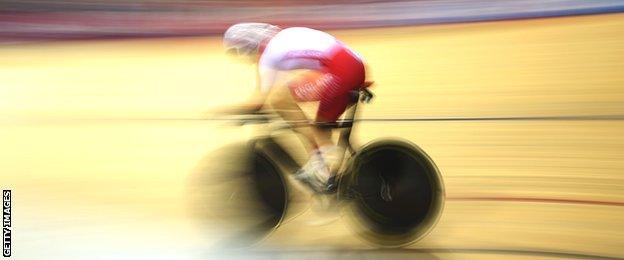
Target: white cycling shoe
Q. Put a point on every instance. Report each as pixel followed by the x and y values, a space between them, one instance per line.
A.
pixel 316 173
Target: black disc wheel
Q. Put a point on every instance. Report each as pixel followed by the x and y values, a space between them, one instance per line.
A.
pixel 270 190
pixel 398 193
pixel 239 195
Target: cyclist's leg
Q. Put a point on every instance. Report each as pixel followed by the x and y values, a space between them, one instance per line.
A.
pixel 308 87
pixel 285 104
pixel 332 90
pixel 347 74
pixel 332 104
pixel 304 88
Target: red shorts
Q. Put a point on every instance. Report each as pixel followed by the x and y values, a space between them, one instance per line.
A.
pixel 342 73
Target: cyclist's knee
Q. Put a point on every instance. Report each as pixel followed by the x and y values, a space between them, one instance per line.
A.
pixel 280 97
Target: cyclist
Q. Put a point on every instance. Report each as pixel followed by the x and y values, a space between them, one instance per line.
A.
pixel 330 71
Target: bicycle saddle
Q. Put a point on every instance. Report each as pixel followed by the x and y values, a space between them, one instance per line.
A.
pixel 362 93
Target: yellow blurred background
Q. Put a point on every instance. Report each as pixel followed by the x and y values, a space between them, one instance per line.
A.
pixel 99 137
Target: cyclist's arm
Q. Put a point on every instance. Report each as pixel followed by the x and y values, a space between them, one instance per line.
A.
pixel 265 78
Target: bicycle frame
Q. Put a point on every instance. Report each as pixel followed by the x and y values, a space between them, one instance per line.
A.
pixel 285 160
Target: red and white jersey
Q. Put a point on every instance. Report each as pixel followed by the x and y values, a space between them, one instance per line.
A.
pixel 296 48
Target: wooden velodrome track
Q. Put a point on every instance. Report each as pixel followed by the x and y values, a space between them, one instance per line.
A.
pixel 98 139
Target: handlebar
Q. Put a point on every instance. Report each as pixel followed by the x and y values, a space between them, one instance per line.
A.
pixel 259 117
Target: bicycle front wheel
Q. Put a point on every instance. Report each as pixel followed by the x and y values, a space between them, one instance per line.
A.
pixel 239 195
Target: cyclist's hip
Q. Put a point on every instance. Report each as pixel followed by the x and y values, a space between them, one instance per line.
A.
pixel 340 74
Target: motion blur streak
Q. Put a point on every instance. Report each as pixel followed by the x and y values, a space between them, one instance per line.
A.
pixel 116 189
pixel 27 20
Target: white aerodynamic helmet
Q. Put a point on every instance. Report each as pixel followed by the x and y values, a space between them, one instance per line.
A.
pixel 245 38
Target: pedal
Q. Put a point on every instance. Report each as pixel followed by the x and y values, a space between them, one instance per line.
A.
pixel 332 186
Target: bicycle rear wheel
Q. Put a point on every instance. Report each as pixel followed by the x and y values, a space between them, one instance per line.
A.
pixel 398 193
